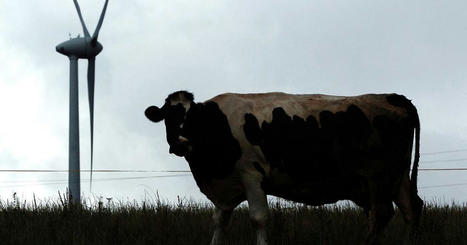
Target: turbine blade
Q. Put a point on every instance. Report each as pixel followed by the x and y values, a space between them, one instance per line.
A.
pixel 101 19
pixel 85 30
pixel 91 67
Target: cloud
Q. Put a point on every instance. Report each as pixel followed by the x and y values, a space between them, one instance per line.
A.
pixel 26 125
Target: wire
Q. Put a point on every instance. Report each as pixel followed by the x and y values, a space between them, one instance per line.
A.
pixel 437 186
pixel 87 170
pixel 445 160
pixel 442 152
pixel 157 171
pixel 442 169
pixel 66 180
pixel 56 182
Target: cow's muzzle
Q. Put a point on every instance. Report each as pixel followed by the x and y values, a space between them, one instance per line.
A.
pixel 180 147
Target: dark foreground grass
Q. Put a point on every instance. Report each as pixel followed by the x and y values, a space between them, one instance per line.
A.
pixel 190 223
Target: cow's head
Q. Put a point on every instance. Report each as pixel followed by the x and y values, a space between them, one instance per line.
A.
pixel 174 113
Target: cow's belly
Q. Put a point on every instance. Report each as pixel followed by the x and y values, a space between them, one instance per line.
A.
pixel 316 190
pixel 225 193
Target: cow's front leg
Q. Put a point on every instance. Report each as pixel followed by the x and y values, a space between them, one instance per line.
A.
pixel 221 219
pixel 258 208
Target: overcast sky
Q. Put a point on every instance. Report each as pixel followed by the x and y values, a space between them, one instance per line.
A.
pixel 152 48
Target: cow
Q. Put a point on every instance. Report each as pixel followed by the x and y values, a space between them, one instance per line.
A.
pixel 309 148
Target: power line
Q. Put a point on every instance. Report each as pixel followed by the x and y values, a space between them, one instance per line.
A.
pixel 442 169
pixel 442 152
pixel 157 171
pixel 446 185
pixel 87 171
pixel 445 160
pixel 57 182
pixel 99 179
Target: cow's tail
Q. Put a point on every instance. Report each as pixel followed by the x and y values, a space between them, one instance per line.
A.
pixel 414 175
pixel 416 201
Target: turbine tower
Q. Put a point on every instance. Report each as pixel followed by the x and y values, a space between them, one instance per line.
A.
pixel 86 47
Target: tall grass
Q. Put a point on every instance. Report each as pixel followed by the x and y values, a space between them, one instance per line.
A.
pixel 185 222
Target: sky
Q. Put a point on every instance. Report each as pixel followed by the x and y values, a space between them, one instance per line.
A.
pixel 152 48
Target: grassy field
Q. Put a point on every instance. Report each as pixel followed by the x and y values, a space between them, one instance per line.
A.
pixel 155 222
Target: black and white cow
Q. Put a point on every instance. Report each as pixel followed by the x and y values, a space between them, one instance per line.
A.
pixel 313 149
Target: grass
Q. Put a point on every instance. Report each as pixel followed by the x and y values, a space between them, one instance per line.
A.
pixel 156 222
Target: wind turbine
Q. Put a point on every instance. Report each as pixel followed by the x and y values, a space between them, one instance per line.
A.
pixel 86 47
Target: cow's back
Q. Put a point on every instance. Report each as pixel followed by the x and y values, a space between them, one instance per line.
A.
pixel 261 105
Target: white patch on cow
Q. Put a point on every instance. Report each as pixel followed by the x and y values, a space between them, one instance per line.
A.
pixel 182 139
pixel 186 103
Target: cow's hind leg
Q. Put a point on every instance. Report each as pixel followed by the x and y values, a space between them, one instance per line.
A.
pixel 380 213
pixel 410 204
pixel 258 208
pixel 221 219
pixel 379 216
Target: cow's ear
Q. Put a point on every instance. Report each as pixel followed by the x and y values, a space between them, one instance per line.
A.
pixel 154 113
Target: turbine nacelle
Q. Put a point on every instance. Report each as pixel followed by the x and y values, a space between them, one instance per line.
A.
pixel 80 47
